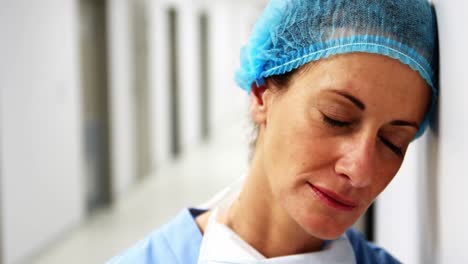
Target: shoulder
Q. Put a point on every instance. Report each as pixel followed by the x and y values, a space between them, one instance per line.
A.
pixel 176 242
pixel 367 252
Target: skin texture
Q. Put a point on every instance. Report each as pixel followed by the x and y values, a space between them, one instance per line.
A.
pixel 343 125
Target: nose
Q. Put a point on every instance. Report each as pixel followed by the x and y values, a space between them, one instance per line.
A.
pixel 358 160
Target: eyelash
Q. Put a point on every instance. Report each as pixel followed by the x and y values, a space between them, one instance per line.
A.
pixel 337 123
pixel 398 151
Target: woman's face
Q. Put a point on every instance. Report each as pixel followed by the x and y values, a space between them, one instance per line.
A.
pixel 334 139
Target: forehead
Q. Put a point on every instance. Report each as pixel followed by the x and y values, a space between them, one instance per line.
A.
pixel 380 82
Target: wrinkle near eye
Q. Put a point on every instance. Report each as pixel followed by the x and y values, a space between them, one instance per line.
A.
pixel 337 108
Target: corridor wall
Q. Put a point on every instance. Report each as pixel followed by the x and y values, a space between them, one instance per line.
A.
pixel 40 137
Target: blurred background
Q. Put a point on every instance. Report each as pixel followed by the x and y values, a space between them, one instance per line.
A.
pixel 114 115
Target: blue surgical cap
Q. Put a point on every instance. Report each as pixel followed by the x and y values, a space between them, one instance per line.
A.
pixel 291 33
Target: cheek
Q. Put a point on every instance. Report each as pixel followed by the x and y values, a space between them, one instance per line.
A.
pixel 383 177
pixel 294 146
pixel 293 142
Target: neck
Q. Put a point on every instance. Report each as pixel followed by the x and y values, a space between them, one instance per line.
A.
pixel 258 218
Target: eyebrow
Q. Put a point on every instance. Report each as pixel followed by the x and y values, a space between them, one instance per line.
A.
pixel 405 123
pixel 351 98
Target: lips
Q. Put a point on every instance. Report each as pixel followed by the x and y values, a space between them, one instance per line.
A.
pixel 333 199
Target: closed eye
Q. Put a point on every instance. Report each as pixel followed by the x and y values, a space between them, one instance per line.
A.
pixel 335 123
pixel 398 151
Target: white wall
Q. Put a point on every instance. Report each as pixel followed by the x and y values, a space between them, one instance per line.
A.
pixel 122 96
pixel 158 81
pixel 228 24
pixel 41 133
pixel 189 68
pixel 453 177
pixel 226 37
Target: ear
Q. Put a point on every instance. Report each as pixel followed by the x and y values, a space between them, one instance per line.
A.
pixel 259 102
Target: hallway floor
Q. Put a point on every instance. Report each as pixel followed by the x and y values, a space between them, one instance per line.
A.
pixel 188 181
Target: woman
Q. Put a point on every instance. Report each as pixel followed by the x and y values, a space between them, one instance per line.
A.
pixel 339 88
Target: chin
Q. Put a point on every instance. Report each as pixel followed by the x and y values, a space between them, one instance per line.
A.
pixel 325 228
pixel 329 234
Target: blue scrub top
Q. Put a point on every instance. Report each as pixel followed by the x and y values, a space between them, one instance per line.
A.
pixel 179 242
